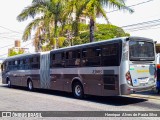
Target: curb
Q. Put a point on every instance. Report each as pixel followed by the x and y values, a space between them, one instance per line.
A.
pixel 145 96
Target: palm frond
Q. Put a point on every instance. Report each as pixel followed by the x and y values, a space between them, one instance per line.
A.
pixel 31 11
pixel 31 26
pixel 101 11
pixel 119 4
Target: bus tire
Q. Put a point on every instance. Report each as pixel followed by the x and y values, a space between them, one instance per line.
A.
pixel 77 90
pixel 9 83
pixel 30 85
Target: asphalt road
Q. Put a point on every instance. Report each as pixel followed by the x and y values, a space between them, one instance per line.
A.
pixel 19 99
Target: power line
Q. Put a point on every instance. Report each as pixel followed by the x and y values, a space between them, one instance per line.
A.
pixel 132 5
pixel 142 25
pixel 11 30
pixel 141 28
pixel 6 37
pixel 6 46
pixel 147 22
pixel 27 44
pixel 3 54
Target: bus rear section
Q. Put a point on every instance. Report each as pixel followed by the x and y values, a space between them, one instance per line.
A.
pixel 140 75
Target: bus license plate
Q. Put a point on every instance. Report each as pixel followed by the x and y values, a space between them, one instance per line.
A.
pixel 144 80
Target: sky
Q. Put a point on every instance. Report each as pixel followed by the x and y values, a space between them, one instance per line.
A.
pixel 11 29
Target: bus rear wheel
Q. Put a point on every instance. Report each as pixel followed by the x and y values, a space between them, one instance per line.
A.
pixel 30 85
pixel 78 90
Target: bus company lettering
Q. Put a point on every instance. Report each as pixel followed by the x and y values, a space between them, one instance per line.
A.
pixel 142 71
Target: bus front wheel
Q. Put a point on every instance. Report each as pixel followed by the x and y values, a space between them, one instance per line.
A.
pixel 78 90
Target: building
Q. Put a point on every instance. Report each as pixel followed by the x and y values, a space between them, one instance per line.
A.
pixel 83 19
pixel 17 48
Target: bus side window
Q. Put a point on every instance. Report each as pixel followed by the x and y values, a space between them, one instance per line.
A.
pixel 73 58
pixel 18 65
pixel 84 55
pixel 77 57
pixel 110 55
pixel 27 63
pixel 21 64
pixel 15 63
pixel 58 60
pixel 91 56
pixel 30 62
pixel 35 63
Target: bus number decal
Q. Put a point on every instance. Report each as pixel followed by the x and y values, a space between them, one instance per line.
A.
pixel 97 72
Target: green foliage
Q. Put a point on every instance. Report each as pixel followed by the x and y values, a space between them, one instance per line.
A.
pixel 108 31
pixel 60 41
pixel 102 32
pixel 13 53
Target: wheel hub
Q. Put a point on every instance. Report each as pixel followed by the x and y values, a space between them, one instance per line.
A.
pixel 78 90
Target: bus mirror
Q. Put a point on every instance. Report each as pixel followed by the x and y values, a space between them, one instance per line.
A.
pixel 155 42
pixel 127 39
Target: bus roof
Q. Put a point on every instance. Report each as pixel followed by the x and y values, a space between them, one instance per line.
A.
pixel 104 41
pixel 88 44
pixel 20 55
pixel 77 46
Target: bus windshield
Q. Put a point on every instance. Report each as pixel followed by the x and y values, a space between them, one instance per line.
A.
pixel 141 51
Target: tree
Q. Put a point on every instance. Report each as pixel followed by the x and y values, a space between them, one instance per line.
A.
pixel 46 26
pixel 102 32
pixel 77 7
pixel 55 13
pixel 13 52
pixel 96 8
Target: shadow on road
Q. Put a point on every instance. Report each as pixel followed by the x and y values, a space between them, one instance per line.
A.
pixel 109 100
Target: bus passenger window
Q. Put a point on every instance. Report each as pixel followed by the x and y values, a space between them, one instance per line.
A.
pixel 58 60
pixel 110 56
pixel 84 53
pixel 73 58
pixel 92 57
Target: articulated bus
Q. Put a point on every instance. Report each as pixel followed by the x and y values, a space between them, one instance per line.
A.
pixel 118 66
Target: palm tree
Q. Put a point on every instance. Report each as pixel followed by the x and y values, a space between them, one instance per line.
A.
pixel 74 7
pixel 50 12
pixel 96 8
